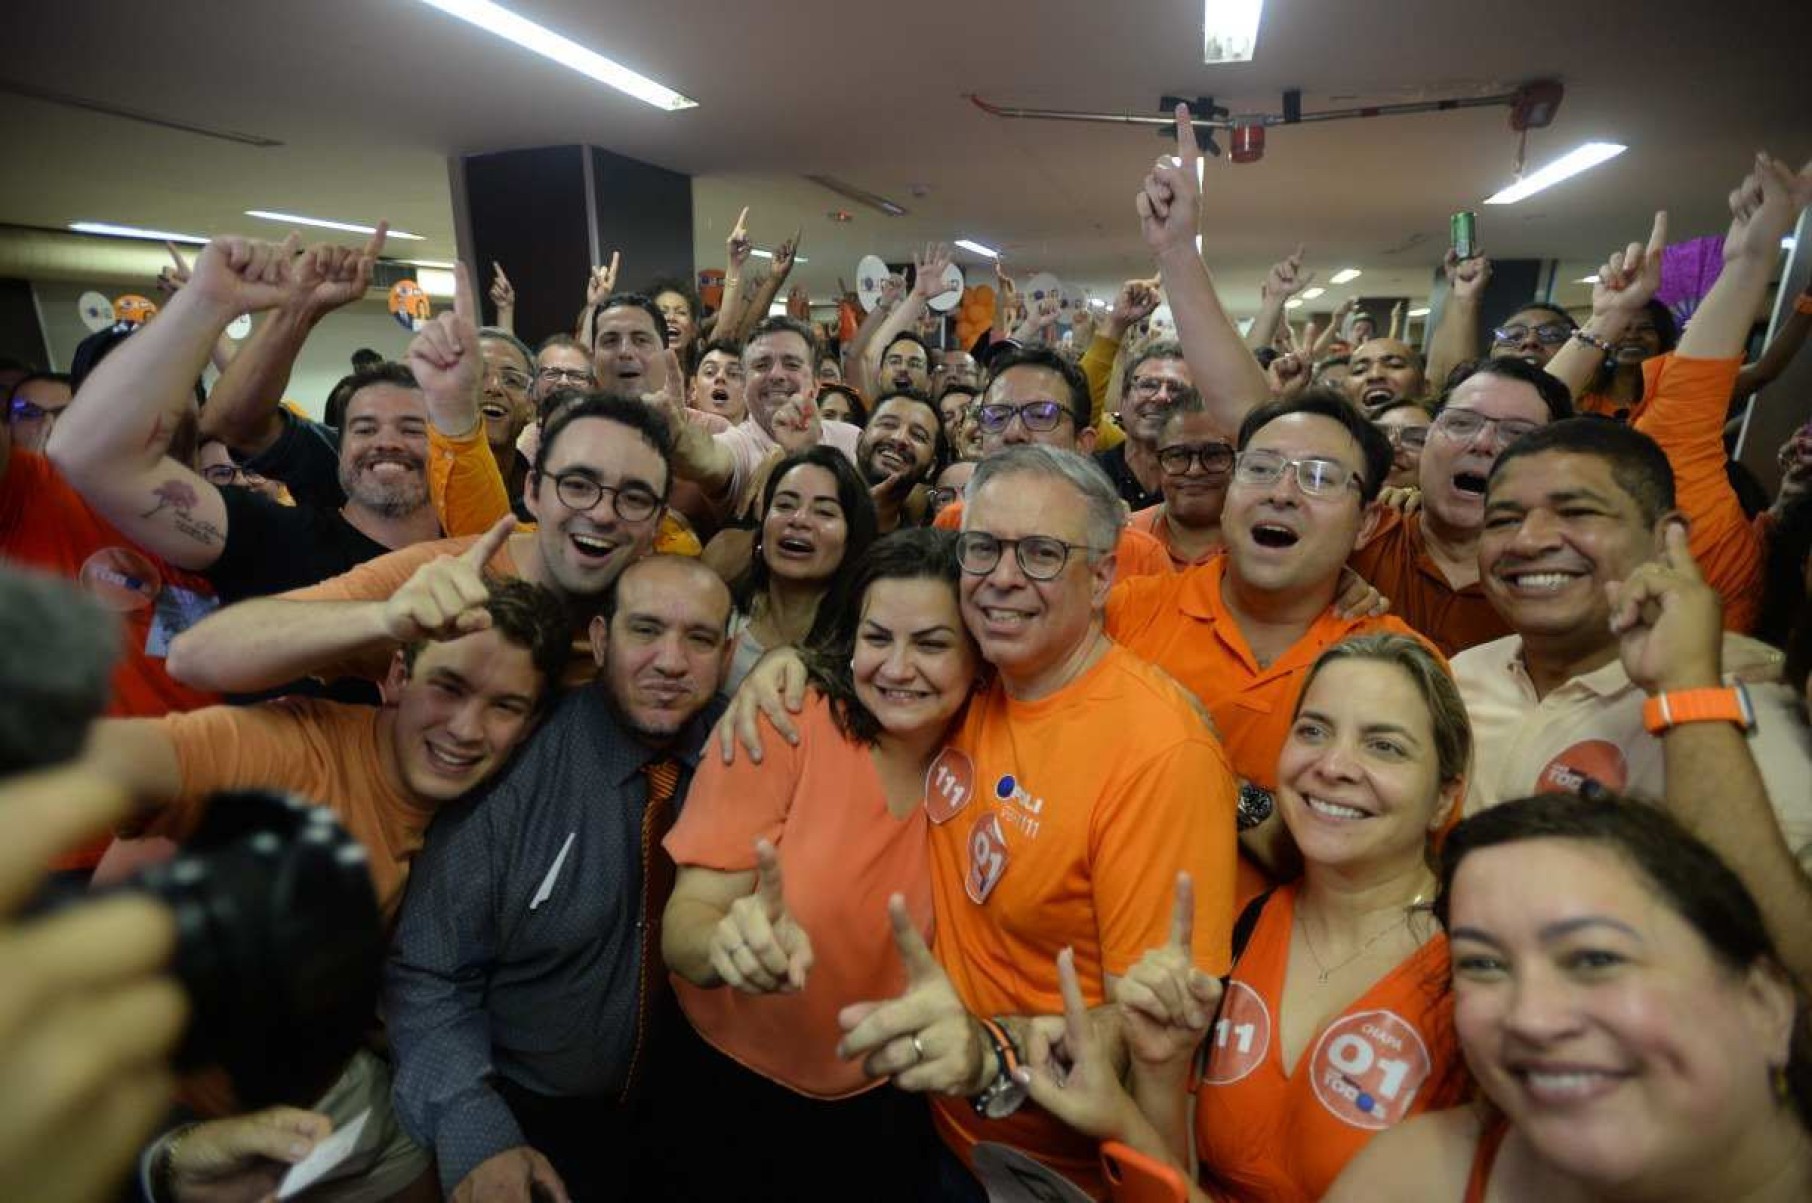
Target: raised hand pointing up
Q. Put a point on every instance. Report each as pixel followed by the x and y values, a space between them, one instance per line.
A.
pixel 758 947
pixel 1170 200
pixel 446 597
pixel 1166 1000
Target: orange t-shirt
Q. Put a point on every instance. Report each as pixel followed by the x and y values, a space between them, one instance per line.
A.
pixel 1396 563
pixel 1603 406
pixel 1135 552
pixel 1179 623
pixel 841 855
pixel 1062 823
pixel 326 752
pixel 469 493
pixel 1685 415
pixel 1271 1135
pixel 1151 521
pixel 46 525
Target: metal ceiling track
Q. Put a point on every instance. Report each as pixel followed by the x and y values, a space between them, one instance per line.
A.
pixel 113 110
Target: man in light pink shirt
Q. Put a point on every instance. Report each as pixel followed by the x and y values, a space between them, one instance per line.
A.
pixel 780 383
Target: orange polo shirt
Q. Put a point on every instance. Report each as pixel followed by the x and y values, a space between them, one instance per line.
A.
pixel 1396 563
pixel 1135 554
pixel 1151 521
pixel 1180 623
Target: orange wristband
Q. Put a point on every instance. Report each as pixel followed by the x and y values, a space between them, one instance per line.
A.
pixel 1727 705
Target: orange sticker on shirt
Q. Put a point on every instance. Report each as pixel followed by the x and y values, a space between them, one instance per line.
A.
pixel 1589 763
pixel 987 857
pixel 949 784
pixel 1240 1038
pixel 133 309
pixel 121 579
pixel 1367 1068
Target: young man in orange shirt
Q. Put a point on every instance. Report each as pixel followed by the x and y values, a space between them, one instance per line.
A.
pixel 1241 630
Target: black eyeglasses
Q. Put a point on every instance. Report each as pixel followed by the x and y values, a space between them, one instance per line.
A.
pixel 1037 415
pixel 1216 458
pixel 1413 437
pixel 939 496
pixel 220 474
pixel 1464 425
pixel 1040 557
pixel 1549 334
pixel 1151 386
pixel 580 493
pixel 1315 477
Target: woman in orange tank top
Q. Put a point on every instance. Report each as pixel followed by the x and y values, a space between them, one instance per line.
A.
pixel 1625 1014
pixel 1335 1023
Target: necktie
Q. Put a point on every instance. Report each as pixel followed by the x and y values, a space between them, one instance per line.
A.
pixel 657 884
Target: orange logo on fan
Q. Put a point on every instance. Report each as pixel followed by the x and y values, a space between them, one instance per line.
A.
pixel 133 309
pixel 409 305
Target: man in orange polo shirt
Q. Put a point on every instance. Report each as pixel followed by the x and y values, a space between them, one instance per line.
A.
pixel 1241 630
pixel 1428 563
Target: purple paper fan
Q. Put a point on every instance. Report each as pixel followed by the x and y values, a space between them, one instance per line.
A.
pixel 1688 270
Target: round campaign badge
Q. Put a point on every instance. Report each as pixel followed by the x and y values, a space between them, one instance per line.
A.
pixel 949 784
pixel 870 271
pixel 1240 1038
pixel 952 296
pixel 1163 322
pixel 96 310
pixel 1587 765
pixel 121 579
pixel 1367 1068
pixel 134 309
pixel 987 857
pixel 239 327
pixel 409 305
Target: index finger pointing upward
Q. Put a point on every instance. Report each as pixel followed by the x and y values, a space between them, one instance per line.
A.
pixel 1678 553
pixel 1657 239
pixel 375 246
pixel 464 307
pixel 491 542
pixel 1182 916
pixel 917 958
pixel 742 229
pixel 1187 150
pixel 1075 1010
pixel 767 878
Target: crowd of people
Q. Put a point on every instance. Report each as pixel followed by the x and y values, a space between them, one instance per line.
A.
pixel 796 759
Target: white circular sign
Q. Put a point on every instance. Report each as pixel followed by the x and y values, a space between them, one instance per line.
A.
pixel 96 309
pixel 952 296
pixel 1041 287
pixel 869 274
pixel 1163 321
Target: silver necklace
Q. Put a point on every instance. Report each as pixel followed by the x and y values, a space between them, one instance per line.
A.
pixel 1326 971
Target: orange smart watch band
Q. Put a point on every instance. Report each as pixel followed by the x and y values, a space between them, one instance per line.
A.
pixel 1726 705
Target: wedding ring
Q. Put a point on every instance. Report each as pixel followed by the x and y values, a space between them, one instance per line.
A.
pixel 918 1050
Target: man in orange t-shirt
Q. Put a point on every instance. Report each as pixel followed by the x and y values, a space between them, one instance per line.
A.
pixel 1241 631
pixel 1428 563
pixel 457 708
pixel 1081 782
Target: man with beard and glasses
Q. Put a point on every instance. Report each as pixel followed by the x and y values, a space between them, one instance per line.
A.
pixel 527 1004
pixel 902 447
pixel 113 444
pixel 1155 376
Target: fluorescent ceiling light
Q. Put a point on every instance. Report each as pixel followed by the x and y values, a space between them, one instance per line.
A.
pixel 442 264
pixel 978 248
pixel 496 19
pixel 435 283
pixel 1345 275
pixel 1230 30
pixel 1293 303
pixel 113 231
pixel 1309 294
pixel 1421 311
pixel 761 254
pixel 325 224
pixel 1568 165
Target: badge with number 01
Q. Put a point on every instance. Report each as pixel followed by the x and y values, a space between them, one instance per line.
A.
pixel 1367 1068
pixel 987 857
pixel 949 784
